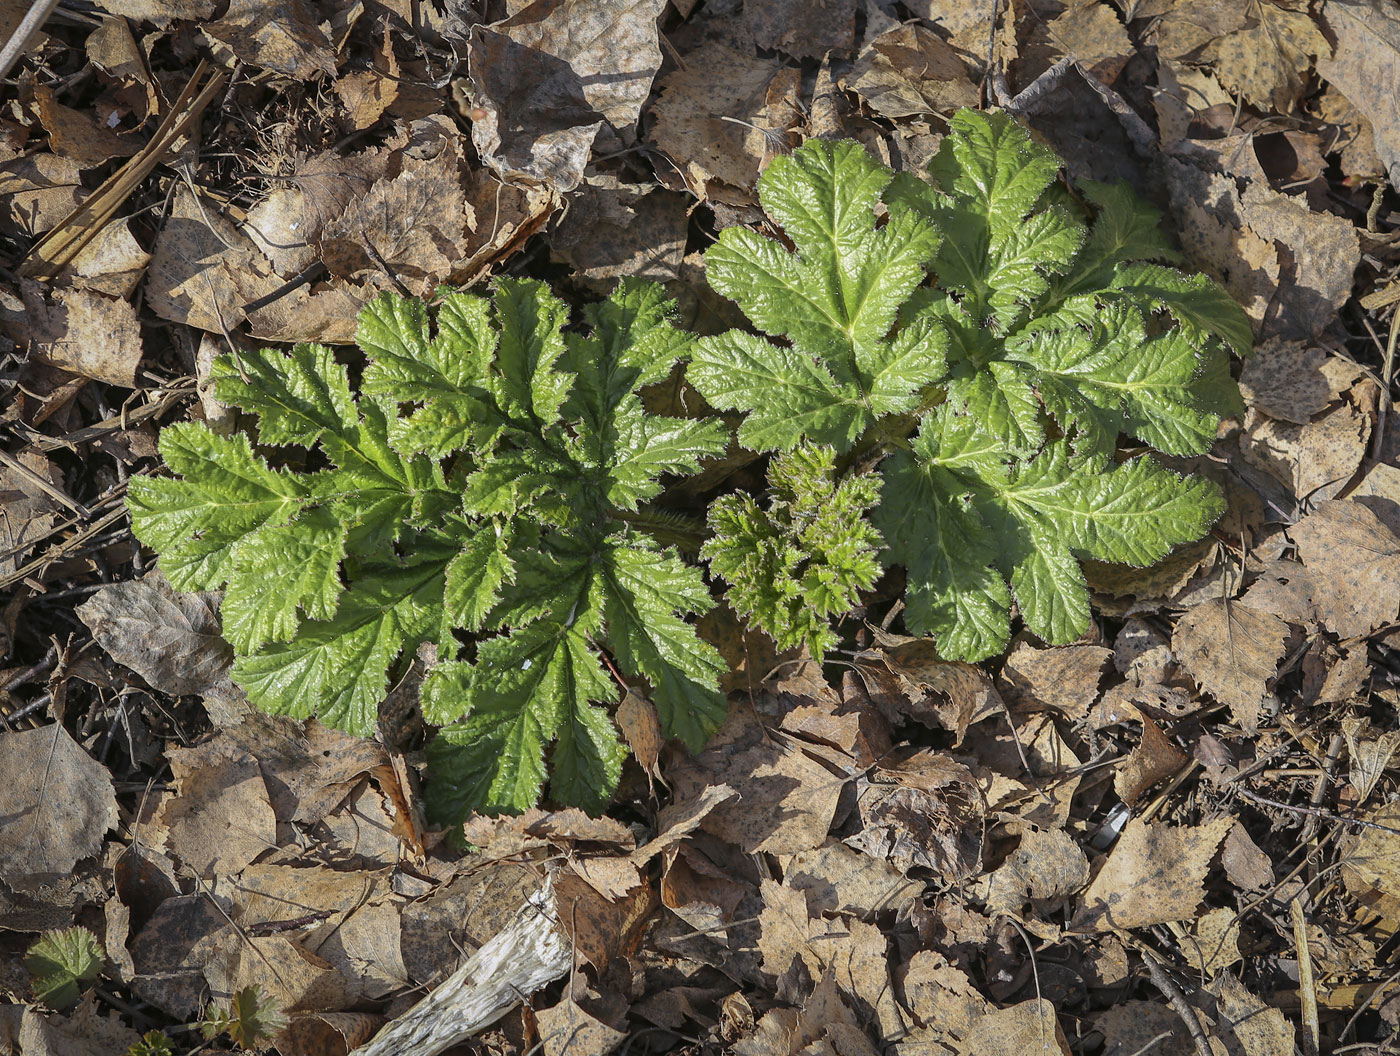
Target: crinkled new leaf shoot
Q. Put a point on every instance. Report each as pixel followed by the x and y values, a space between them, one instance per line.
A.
pixel 475 495
pixel 1017 330
pixel 795 565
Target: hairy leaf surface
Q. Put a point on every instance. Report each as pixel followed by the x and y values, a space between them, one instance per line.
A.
pixel 472 495
pixel 1049 328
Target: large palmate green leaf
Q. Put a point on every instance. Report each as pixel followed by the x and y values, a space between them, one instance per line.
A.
pixel 834 299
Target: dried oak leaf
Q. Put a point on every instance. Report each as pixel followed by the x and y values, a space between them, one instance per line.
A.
pixel 1232 651
pixel 1355 561
pixel 1154 875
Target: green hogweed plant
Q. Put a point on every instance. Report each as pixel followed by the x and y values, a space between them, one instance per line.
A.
pixel 956 363
pixel 995 342
pixel 499 507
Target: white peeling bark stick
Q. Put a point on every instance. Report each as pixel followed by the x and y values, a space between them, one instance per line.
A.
pixel 530 952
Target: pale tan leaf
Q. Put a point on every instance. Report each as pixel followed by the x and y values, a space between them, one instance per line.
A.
pixel 1232 651
pixel 1154 875
pixel 1355 561
pixel 57 802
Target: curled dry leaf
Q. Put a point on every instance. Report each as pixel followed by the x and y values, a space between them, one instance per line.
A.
pixel 1154 759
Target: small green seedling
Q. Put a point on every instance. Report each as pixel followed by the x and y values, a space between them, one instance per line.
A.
pixel 62 964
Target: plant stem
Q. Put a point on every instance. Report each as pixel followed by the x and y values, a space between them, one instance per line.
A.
pixel 685 533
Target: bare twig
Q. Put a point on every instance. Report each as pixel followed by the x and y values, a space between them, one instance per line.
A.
pixel 1307 988
pixel 1179 1004
pixel 35 17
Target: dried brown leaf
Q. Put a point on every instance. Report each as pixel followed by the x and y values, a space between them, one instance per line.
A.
pixel 920 808
pixel 1285 380
pixel 1245 864
pixel 1255 1028
pixel 284 36
pixel 910 70
pixel 1154 875
pixel 1045 869
pixel 1154 759
pixel 837 879
pixel 76 136
pixel 1355 561
pixel 1064 678
pixel 1369 752
pixel 85 333
pixel 410 229
pixel 786 798
pixel 57 802
pixel 1232 651
pixel 804 31
pixel 549 78
pixel 1366 67
pixel 219 817
pixel 1030 1027
pixel 718 82
pixel 27 511
pixel 171 639
pixel 36 192
pixel 1268 59
pixel 614 229
pixel 1091 32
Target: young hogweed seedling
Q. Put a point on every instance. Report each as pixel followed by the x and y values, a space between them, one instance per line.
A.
pixel 996 336
pixel 475 495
